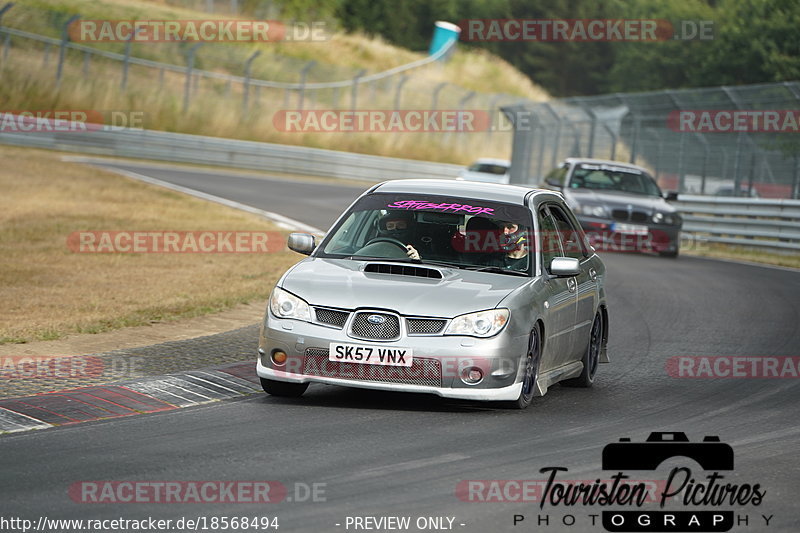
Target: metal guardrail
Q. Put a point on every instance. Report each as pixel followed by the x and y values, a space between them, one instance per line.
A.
pixel 762 223
pixel 183 148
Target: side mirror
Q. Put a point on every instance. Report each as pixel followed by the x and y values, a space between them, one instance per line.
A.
pixel 671 196
pixel 565 267
pixel 302 243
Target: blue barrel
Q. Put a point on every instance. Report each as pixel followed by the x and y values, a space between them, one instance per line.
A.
pixel 444 33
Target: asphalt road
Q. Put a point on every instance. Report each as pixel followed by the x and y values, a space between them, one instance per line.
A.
pixel 381 454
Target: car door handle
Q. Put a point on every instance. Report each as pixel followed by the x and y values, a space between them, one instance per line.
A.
pixel 593 274
pixel 572 284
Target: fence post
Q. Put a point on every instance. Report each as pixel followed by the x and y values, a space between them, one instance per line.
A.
pixel 403 80
pixel 3 10
pixel 557 140
pixel 492 105
pixel 436 91
pixel 637 127
pixel 706 151
pixel 659 153
pixel 7 40
pixel 542 145
pixel 354 90
pixel 246 91
pixel 520 145
pixel 187 89
pixel 63 50
pixel 796 180
pixel 126 61
pixel 303 75
pixel 86 58
pixel 681 173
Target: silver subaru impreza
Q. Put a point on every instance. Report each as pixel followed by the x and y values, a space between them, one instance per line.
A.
pixel 466 290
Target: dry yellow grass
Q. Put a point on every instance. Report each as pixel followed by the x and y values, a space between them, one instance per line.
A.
pixel 216 110
pixel 741 253
pixel 47 291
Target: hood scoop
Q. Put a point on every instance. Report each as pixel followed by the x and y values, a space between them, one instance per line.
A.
pixel 403 270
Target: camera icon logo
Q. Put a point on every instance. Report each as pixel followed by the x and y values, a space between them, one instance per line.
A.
pixel 710 454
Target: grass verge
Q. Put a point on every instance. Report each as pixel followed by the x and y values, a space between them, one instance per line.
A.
pixel 741 253
pixel 48 291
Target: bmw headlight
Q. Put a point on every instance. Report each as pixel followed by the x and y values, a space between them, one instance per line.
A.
pixel 598 211
pixel 287 305
pixel 664 218
pixel 480 324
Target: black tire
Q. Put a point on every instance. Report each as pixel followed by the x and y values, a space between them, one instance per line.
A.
pixel 672 254
pixel 591 357
pixel 282 388
pixel 532 360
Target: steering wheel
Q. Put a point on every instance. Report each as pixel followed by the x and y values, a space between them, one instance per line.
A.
pixel 390 240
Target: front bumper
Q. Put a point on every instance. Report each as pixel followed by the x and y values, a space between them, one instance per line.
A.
pixel 660 238
pixel 438 361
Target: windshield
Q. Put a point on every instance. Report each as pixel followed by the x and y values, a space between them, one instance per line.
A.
pixel 451 231
pixel 610 178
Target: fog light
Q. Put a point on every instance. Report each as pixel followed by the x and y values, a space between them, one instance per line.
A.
pixel 278 357
pixel 472 375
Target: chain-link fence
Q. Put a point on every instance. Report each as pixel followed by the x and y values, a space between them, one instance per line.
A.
pixel 725 141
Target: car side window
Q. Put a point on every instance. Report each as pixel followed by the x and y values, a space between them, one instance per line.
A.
pixel 568 234
pixel 548 238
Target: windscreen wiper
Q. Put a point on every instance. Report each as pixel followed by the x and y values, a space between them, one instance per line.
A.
pixel 385 259
pixel 497 270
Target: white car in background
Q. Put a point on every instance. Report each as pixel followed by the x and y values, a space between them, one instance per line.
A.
pixel 487 170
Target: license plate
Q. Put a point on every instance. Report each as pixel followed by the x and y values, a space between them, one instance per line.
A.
pixel 630 229
pixel 369 355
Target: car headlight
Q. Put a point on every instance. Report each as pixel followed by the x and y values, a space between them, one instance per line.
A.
pixel 598 211
pixel 480 324
pixel 664 218
pixel 287 305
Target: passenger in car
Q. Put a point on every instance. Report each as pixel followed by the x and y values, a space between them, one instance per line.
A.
pixel 515 244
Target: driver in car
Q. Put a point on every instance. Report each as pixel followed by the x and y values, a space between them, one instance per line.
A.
pixel 398 225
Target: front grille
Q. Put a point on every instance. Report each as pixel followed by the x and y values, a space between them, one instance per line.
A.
pixel 423 371
pixel 331 317
pixel 403 270
pixel 624 216
pixel 424 326
pixel 364 329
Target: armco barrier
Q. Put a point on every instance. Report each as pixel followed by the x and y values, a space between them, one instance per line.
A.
pixel 742 221
pixel 182 148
